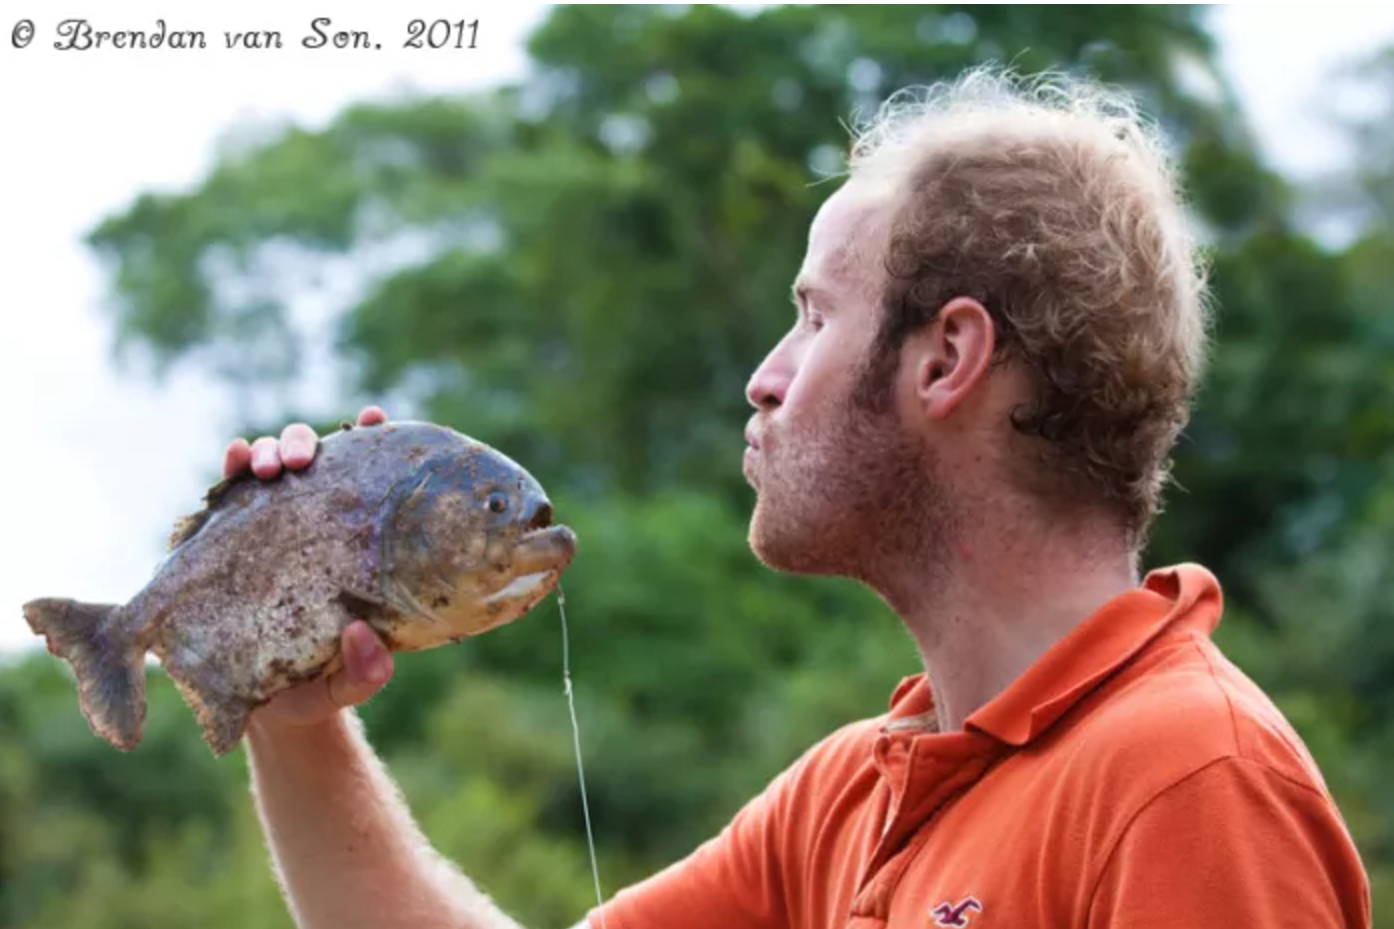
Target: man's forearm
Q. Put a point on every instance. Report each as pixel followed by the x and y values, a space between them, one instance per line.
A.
pixel 345 847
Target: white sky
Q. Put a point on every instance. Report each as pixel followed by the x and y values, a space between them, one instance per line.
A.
pixel 98 464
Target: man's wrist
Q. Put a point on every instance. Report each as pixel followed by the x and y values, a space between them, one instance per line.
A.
pixel 268 734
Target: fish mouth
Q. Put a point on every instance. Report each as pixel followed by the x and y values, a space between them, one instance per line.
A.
pixel 542 546
pixel 539 558
pixel 523 587
pixel 550 548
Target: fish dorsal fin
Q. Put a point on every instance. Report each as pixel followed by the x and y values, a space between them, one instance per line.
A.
pixel 188 526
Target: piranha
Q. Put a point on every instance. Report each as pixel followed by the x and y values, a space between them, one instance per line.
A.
pixel 427 535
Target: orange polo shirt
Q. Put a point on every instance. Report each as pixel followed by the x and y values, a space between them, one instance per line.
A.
pixel 1133 777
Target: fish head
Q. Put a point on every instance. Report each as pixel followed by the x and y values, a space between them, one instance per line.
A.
pixel 470 545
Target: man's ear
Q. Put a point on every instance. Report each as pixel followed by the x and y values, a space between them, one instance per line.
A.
pixel 952 355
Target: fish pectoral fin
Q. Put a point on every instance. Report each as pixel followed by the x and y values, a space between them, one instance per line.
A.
pixel 413 607
pixel 363 606
pixel 376 611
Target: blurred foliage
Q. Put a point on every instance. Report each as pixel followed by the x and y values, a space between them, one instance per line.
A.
pixel 583 269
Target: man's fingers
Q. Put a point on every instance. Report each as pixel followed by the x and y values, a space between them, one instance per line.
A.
pixel 266 458
pixel 366 659
pixel 367 667
pixel 298 446
pixel 237 458
pixel 372 416
pixel 345 691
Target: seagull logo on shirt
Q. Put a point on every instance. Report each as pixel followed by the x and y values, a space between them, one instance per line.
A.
pixel 955 914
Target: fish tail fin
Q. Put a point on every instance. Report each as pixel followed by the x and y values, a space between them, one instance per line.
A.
pixel 108 663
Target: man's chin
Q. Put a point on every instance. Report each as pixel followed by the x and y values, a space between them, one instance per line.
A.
pixel 762 542
pixel 773 556
pixel 781 546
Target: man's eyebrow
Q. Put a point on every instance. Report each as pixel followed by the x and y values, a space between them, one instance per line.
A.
pixel 802 291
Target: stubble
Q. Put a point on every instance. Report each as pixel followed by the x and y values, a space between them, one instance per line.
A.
pixel 857 497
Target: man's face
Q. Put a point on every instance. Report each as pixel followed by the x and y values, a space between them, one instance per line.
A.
pixel 840 489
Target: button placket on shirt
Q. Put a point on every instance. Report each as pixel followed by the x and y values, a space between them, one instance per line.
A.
pixel 892 755
pixel 922 775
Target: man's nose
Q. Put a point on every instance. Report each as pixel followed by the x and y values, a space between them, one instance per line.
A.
pixel 768 385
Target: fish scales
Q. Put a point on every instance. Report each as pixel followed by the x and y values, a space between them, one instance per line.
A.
pixel 426 534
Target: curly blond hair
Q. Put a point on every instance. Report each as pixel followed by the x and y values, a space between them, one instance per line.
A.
pixel 1053 203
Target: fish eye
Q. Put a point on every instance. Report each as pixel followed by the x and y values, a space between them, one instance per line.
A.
pixel 497 502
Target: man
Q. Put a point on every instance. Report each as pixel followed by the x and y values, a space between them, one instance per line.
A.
pixel 1000 324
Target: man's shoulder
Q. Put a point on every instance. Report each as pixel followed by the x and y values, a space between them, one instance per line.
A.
pixel 840 753
pixel 1185 708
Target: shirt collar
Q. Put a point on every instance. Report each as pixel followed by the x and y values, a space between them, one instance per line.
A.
pixel 1185 594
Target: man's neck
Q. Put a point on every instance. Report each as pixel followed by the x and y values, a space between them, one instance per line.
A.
pixel 985 617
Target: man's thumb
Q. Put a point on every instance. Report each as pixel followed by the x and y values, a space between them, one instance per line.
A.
pixel 368 666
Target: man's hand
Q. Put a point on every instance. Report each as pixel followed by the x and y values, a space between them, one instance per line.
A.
pixel 367 662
